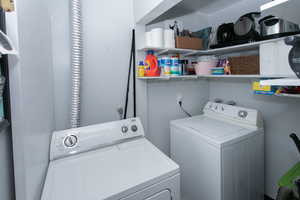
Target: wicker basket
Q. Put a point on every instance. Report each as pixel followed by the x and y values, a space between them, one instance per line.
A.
pixel 245 65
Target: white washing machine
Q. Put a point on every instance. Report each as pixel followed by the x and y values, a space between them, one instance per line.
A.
pixel 112 161
pixel 220 154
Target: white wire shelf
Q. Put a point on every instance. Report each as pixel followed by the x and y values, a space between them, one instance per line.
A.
pixel 288 95
pixel 193 77
pixel 281 82
pixel 220 51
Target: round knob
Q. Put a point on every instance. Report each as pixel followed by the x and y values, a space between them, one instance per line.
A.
pixel 243 114
pixel 134 128
pixel 218 100
pixel 231 103
pixel 124 129
pixel 70 141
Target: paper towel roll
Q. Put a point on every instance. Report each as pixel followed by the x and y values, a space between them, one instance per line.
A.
pixel 157 38
pixel 169 40
pixel 148 37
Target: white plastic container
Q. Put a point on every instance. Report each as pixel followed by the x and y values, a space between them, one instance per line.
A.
pixel 169 38
pixel 274 59
pixel 148 37
pixel 157 37
pixel 205 65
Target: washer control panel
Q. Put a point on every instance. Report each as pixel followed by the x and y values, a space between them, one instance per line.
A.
pixel 243 115
pixel 74 141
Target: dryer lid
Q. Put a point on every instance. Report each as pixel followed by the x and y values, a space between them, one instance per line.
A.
pixel 108 173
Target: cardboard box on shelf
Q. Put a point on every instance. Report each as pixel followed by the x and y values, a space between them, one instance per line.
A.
pixel 189 43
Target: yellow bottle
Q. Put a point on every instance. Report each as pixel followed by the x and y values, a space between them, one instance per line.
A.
pixel 141 69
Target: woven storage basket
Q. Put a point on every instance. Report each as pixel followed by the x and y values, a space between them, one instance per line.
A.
pixel 245 65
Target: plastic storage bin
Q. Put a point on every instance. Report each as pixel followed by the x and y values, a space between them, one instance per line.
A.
pixel 206 64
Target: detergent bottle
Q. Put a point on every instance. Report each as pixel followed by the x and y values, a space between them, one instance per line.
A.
pixel 151 65
pixel 141 69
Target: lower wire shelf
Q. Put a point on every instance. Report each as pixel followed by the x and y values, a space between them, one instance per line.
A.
pixel 288 95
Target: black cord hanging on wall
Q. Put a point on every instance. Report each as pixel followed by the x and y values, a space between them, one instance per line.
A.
pixel 132 64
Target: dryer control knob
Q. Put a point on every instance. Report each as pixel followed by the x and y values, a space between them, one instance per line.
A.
pixel 124 129
pixel 134 128
pixel 70 141
pixel 243 114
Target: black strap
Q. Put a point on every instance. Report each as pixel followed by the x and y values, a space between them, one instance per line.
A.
pixel 131 63
pixel 134 74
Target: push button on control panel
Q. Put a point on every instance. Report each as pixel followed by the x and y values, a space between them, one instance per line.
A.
pixel 70 141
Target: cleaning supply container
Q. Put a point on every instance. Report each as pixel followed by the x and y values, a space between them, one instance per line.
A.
pixel 141 69
pixel 151 65
pixel 175 69
pixel 218 71
pixel 166 65
pixel 205 64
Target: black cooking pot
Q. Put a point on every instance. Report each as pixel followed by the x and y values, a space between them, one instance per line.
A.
pixel 225 33
pixel 245 27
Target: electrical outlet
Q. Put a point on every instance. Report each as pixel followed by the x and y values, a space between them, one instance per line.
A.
pixel 179 98
pixel 120 111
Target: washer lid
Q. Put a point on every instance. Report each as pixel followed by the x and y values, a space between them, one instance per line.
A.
pixel 215 131
pixel 108 173
pixel 212 128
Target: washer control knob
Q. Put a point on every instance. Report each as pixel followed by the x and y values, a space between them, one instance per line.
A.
pixel 124 129
pixel 243 114
pixel 70 141
pixel 134 128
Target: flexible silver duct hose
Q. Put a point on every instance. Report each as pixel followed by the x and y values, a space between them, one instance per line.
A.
pixel 76 62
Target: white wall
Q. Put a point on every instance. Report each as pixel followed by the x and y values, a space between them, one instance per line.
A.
pixel 281 117
pixel 163 107
pixel 61 57
pixel 32 103
pixel 107 46
pixel 107 41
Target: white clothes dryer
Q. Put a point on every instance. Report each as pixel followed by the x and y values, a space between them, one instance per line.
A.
pixel 111 161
